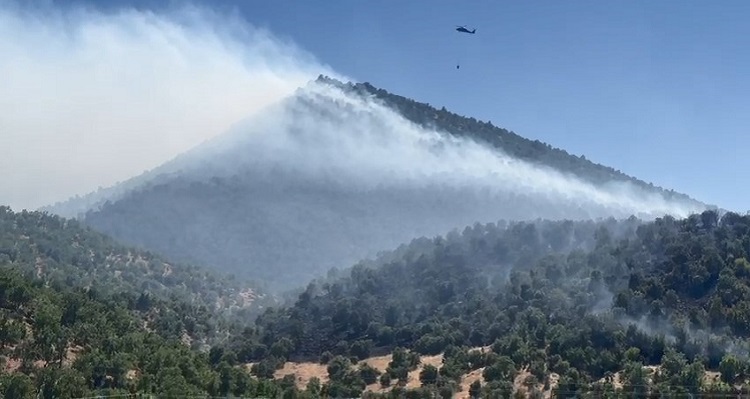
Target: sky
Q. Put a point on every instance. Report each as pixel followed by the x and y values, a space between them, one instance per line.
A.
pixel 654 89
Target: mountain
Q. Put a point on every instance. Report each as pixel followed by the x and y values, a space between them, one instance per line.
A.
pixel 338 172
pixel 509 142
pixel 82 315
pixel 63 253
pixel 561 308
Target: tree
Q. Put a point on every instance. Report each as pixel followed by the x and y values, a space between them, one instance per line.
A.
pixel 475 389
pixel 428 375
pixel 502 370
pixel 337 368
pixel 731 369
pixel 11 332
pixel 385 380
pixel 57 382
pixel 16 386
pixel 368 373
pixel 313 386
pixel 361 349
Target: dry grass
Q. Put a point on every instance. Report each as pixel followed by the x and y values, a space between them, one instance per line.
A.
pixel 12 364
pixel 413 381
pixel 554 379
pixel 711 377
pixel 466 382
pixel 303 372
pixel 379 363
pixel 618 383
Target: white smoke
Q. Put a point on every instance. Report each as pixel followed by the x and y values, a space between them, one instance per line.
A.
pixel 89 98
pixel 327 131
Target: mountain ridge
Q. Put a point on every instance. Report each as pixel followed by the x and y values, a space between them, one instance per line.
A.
pixel 426 114
pixel 497 137
pixel 331 175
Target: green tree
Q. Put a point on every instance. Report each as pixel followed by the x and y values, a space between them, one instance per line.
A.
pixel 731 369
pixel 428 375
pixel 475 389
pixel 502 370
pixel 16 386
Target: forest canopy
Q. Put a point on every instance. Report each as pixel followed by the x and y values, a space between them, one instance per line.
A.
pixel 573 302
pixel 570 308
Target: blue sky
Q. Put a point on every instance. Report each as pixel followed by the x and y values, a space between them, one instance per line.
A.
pixel 658 90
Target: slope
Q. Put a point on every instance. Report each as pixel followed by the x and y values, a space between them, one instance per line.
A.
pixel 82 316
pixel 507 141
pixel 332 175
pixel 587 301
pixel 57 342
pixel 63 253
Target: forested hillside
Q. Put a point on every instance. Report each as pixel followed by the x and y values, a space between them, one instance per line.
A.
pixel 582 306
pixel 285 231
pixel 57 342
pixel 534 309
pixel 81 314
pixel 63 253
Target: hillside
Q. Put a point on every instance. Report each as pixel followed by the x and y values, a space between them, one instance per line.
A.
pixel 62 252
pixel 421 380
pixel 57 342
pixel 539 309
pixel 330 176
pixel 82 315
pixel 592 302
pixel 511 143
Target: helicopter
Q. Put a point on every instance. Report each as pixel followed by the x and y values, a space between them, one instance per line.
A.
pixel 464 29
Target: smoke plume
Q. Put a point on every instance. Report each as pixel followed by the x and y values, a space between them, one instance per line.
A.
pixel 361 143
pixel 89 98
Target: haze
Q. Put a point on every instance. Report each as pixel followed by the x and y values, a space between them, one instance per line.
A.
pixel 94 98
pixel 364 144
pixel 89 98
